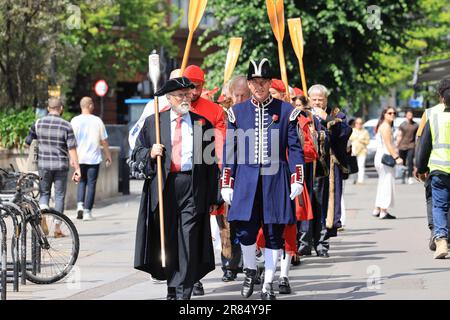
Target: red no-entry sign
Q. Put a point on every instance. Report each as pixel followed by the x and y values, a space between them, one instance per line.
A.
pixel 101 88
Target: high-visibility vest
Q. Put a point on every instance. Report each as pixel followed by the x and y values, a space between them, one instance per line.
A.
pixel 440 137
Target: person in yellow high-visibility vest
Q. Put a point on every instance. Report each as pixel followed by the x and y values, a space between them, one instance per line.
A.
pixel 443 85
pixel 433 160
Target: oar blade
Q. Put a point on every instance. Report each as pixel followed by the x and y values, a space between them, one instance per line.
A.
pixel 293 25
pixel 232 57
pixel 275 11
pixel 196 11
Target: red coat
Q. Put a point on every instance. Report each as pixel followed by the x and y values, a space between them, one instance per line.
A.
pixel 214 113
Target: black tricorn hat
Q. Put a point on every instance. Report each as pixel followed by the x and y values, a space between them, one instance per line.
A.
pixel 175 84
pixel 259 69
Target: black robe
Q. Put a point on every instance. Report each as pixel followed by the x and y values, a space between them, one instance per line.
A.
pixel 205 192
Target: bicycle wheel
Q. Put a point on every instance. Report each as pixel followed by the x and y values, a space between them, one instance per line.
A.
pixel 52 247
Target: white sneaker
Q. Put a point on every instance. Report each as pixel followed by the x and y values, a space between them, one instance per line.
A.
pixel 87 215
pixel 410 180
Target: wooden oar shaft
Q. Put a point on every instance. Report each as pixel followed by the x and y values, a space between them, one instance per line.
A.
pixel 283 68
pixel 160 186
pixel 187 51
pixel 302 75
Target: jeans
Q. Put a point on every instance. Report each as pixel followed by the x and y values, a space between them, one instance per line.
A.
pixel 89 174
pixel 440 189
pixel 59 178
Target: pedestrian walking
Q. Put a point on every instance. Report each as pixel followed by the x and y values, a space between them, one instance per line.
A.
pixel 443 85
pixel 433 160
pixel 57 147
pixel 90 133
pixel 190 192
pixel 407 144
pixel 255 172
pixel 386 157
pixel 214 114
pixel 360 139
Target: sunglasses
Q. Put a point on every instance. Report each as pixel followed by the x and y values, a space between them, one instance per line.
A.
pixel 394 113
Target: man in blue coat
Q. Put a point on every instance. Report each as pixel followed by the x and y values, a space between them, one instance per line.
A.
pixel 258 180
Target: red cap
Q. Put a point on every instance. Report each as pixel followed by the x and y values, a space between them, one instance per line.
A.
pixel 298 92
pixel 278 85
pixel 194 73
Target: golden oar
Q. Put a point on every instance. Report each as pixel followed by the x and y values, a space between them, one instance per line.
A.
pixel 275 11
pixel 295 30
pixel 232 58
pixel 196 10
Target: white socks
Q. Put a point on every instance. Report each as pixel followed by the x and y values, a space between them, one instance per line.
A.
pixel 271 258
pixel 249 256
pixel 285 264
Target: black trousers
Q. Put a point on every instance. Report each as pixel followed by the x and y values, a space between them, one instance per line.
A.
pixel 313 233
pixel 183 224
pixel 408 160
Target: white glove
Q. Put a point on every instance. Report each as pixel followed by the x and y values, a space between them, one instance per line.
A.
pixel 296 190
pixel 227 195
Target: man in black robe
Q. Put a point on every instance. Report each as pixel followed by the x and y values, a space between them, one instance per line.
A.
pixel 190 178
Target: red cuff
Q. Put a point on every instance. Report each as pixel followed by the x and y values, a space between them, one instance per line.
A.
pixel 297 177
pixel 227 180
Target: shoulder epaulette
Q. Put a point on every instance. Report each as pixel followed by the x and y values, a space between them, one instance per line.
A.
pixel 294 114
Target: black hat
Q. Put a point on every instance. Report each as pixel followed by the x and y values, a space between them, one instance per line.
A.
pixel 259 69
pixel 175 84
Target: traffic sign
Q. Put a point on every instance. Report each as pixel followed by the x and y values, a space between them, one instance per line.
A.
pixel 101 88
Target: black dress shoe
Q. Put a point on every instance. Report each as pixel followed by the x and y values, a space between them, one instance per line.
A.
pixel 171 293
pixel 388 216
pixel 269 294
pixel 198 289
pixel 283 286
pixel 249 283
pixel 295 261
pixel 228 276
pixel 432 244
pixel 323 254
pixel 304 251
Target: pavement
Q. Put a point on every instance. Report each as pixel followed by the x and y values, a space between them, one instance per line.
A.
pixel 370 259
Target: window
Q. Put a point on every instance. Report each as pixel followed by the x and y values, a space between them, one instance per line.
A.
pixel 207 19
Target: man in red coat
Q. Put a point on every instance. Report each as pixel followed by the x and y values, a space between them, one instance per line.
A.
pixel 214 114
pixel 208 109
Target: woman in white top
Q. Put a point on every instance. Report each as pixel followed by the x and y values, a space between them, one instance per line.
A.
pixel 386 174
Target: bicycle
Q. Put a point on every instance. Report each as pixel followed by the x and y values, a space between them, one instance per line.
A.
pixel 51 236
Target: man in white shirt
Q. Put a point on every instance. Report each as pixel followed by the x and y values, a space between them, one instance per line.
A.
pixel 90 134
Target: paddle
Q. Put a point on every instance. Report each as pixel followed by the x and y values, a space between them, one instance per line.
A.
pixel 232 57
pixel 154 72
pixel 295 30
pixel 275 11
pixel 196 10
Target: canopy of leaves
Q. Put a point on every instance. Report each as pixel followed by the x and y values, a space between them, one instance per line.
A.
pixel 50 42
pixel 342 48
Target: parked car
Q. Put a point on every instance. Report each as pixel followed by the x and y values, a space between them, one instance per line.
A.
pixel 372 147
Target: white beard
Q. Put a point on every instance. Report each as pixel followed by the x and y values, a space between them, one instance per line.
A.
pixel 182 108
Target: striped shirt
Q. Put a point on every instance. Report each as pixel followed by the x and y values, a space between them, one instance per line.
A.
pixel 55 137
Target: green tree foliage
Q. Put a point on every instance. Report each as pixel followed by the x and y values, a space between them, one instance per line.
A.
pixel 50 42
pixel 343 50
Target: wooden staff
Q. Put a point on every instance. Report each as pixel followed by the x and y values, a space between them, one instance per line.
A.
pixel 275 11
pixel 196 10
pixel 232 58
pixel 154 71
pixel 295 30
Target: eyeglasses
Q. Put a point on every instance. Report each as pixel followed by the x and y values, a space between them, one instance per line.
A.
pixel 390 113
